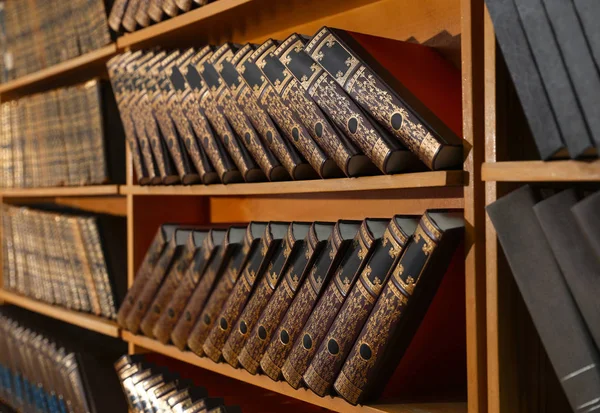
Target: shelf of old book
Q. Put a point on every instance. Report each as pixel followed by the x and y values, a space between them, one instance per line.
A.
pixel 62 191
pixel 542 171
pixel 336 404
pixel 87 321
pixel 87 64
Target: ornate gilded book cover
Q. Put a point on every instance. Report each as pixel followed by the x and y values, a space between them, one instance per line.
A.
pixel 261 294
pixel 199 107
pixel 288 122
pixel 332 352
pixel 169 259
pixel 164 236
pixel 326 260
pixel 230 140
pixel 393 105
pixel 282 148
pixel 196 272
pixel 382 148
pixel 296 251
pixel 400 307
pixel 175 100
pixel 204 322
pixel 228 105
pixel 226 322
pixel 173 280
pixel 331 301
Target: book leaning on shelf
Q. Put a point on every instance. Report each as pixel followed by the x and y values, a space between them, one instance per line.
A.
pixel 72 260
pixel 41 33
pixel 294 110
pixel 70 136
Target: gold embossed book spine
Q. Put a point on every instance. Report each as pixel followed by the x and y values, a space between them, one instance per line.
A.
pixel 400 307
pixel 197 326
pixel 226 322
pixel 260 296
pixel 385 98
pixel 332 299
pixel 326 259
pixel 332 352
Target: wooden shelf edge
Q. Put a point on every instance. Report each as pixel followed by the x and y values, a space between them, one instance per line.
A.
pixel 541 171
pixel 89 190
pixel 66 66
pixel 87 321
pixel 333 403
pixel 366 183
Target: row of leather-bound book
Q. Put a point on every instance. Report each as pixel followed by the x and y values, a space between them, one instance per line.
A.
pixel 69 136
pixel 132 15
pixel 150 388
pixel 331 106
pixel 65 259
pixel 330 305
pixel 40 33
pixel 44 369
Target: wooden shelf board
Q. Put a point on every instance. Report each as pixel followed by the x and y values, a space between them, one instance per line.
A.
pixel 87 321
pixel 89 190
pixel 62 68
pixel 541 171
pixel 333 403
pixel 367 183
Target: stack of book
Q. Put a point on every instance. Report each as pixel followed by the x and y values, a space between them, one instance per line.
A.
pixel 42 371
pixel 69 136
pixel 40 33
pixel 331 305
pixel 148 387
pixel 331 106
pixel 552 50
pixel 132 15
pixel 74 261
pixel 552 242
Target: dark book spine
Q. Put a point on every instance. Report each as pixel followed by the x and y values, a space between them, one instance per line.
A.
pixel 588 11
pixel 586 215
pixel 332 352
pixel 327 308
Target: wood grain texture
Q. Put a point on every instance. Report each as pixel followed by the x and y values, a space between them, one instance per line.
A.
pixel 541 171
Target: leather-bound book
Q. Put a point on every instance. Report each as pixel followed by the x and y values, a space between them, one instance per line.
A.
pixel 553 72
pixel 141 17
pixel 288 122
pixel 340 338
pixel 169 258
pixel 175 277
pixel 256 265
pixel 587 214
pixel 588 11
pixel 203 405
pixel 165 235
pixel 526 78
pixel 573 254
pixel 385 98
pixel 238 120
pixel 277 232
pixel 292 161
pixel 199 325
pixel 384 149
pixel 170 8
pixel 159 100
pixel 184 5
pixel 129 22
pixel 116 14
pixel 400 307
pixel 155 10
pixel 238 152
pixel 296 251
pixel 196 152
pixel 200 109
pixel 315 329
pixel 560 325
pixel 211 245
pixel 334 143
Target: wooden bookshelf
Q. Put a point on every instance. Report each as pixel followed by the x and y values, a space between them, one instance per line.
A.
pixel 87 321
pixel 336 404
pixel 90 64
pixel 368 183
pixel 540 171
pixel 62 191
